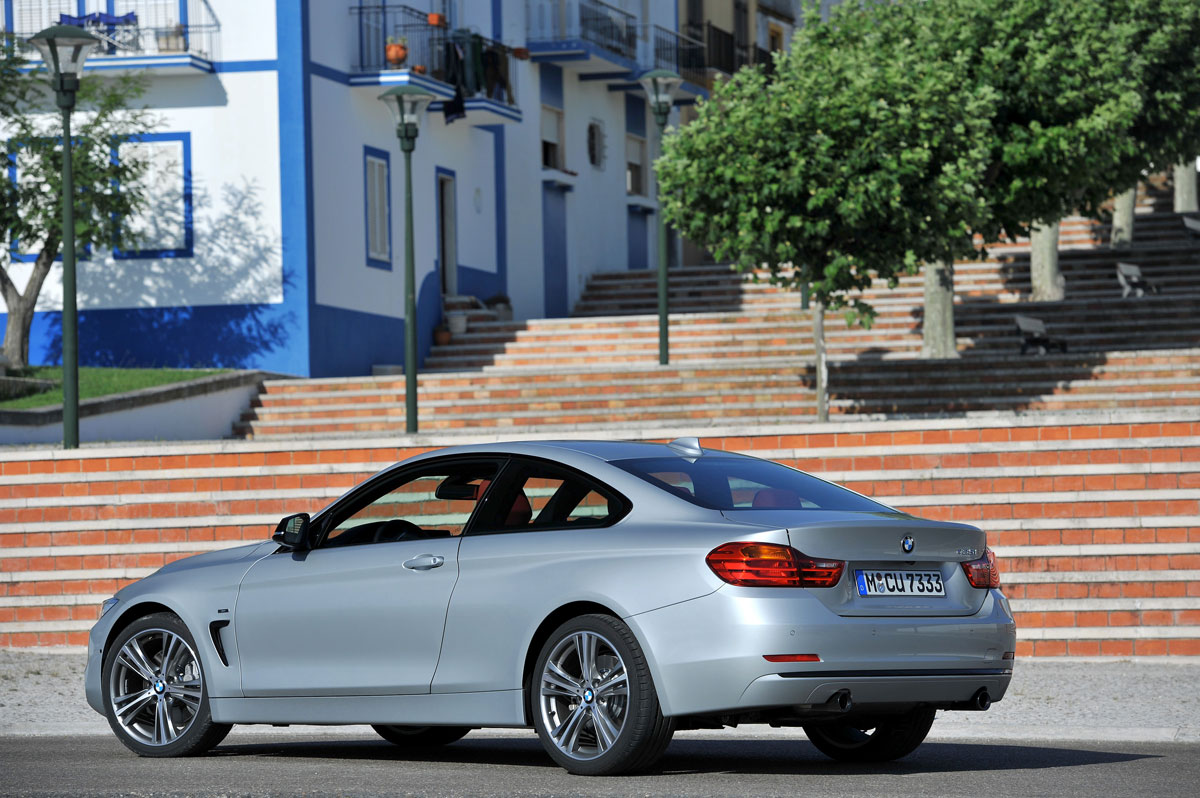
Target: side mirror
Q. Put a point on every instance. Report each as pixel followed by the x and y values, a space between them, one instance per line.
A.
pixel 292 531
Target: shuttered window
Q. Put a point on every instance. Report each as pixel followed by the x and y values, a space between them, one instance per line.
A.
pixel 378 209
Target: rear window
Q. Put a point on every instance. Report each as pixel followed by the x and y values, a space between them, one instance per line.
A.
pixel 735 483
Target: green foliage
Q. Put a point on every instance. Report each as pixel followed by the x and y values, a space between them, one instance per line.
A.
pixel 107 189
pixel 861 156
pixel 893 130
pixel 97 382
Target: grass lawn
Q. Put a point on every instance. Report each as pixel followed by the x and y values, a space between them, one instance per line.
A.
pixel 95 382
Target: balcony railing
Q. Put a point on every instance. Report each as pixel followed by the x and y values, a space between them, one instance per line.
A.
pixel 140 29
pixel 458 58
pixel 679 53
pixel 720 48
pixel 595 21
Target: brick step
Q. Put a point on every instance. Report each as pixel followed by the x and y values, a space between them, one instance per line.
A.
pixel 717 388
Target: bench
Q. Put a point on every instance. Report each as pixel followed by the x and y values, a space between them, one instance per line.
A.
pixel 1033 336
pixel 1130 276
pixel 1191 225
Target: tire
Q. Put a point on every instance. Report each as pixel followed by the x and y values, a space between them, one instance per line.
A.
pixel 890 738
pixel 602 718
pixel 421 736
pixel 155 695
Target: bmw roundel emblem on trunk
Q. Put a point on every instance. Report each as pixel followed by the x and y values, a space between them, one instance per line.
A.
pixel 907 544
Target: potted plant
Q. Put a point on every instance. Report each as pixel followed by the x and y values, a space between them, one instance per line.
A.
pixel 396 51
pixel 437 20
pixel 521 53
pixel 419 69
pixel 441 335
pixel 457 322
pixel 501 306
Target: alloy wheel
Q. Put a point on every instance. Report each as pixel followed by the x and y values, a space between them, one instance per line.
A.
pixel 584 695
pixel 155 688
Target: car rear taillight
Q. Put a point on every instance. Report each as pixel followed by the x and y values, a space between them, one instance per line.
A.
pixel 770 565
pixel 983 573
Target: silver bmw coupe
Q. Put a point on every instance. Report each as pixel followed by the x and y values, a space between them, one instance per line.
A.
pixel 604 593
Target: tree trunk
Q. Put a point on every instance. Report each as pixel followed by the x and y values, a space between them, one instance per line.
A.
pixel 21 306
pixel 937 328
pixel 1185 187
pixel 1122 222
pixel 1048 282
pixel 818 309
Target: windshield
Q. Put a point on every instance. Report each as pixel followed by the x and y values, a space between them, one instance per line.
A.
pixel 736 483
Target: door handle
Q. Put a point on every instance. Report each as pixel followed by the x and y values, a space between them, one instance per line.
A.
pixel 425 562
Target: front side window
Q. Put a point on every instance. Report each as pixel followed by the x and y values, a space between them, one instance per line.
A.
pixel 737 483
pixel 432 503
pixel 544 496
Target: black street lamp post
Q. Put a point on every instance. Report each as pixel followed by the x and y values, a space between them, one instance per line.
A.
pixel 407 103
pixel 64 48
pixel 660 86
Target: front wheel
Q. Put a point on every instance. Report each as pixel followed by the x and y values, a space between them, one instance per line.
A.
pixel 880 740
pixel 593 702
pixel 421 736
pixel 155 697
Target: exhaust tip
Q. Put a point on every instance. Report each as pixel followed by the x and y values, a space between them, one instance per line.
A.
pixel 843 700
pixel 982 699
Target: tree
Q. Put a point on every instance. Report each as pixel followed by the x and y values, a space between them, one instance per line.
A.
pixel 860 158
pixel 107 187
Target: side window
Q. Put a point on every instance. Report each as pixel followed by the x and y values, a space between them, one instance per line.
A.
pixel 541 496
pixel 436 503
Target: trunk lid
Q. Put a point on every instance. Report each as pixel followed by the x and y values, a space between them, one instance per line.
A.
pixel 874 544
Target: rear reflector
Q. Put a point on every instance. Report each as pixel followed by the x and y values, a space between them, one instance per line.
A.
pixel 983 573
pixel 791 658
pixel 770 565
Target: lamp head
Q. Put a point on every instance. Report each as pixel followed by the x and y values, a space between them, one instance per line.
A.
pixel 407 104
pixel 660 86
pixel 64 48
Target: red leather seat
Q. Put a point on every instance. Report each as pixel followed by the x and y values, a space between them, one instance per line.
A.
pixel 521 512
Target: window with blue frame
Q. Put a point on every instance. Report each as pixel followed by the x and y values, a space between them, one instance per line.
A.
pixel 377 205
pixel 164 227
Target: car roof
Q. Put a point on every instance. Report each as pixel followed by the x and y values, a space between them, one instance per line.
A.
pixel 602 450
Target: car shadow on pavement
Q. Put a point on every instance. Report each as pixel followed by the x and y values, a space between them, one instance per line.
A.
pixel 714 756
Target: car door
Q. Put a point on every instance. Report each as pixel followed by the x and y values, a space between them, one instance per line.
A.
pixel 363 611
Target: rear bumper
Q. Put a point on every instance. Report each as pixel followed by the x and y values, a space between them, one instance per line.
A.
pixel 707 655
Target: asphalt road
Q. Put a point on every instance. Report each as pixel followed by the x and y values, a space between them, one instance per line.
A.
pixel 515 765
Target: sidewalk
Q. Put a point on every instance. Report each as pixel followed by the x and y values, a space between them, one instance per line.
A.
pixel 1146 699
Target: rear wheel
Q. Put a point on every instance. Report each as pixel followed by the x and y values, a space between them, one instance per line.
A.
pixel 882 740
pixel 154 692
pixel 421 736
pixel 593 702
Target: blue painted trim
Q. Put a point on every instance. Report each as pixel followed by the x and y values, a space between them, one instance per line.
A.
pixel 635 115
pixel 637 209
pixel 383 155
pixel 296 188
pixel 187 251
pixel 497 20
pixel 484 105
pixel 438 173
pixel 500 181
pixel 577 50
pixel 550 78
pixel 606 76
pixel 9 25
pixel 80 7
pixel 329 73
pixel 264 65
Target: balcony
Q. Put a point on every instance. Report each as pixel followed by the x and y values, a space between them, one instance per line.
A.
pixel 398 45
pixel 168 38
pixel 680 54
pixel 591 34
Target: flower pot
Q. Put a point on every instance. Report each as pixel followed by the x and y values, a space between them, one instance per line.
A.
pixel 521 53
pixel 419 69
pixel 441 336
pixel 457 322
pixel 437 20
pixel 395 54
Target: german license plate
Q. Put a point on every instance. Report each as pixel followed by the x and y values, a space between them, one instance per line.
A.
pixel 900 583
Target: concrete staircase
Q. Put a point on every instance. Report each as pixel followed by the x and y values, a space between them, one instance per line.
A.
pixel 1095 515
